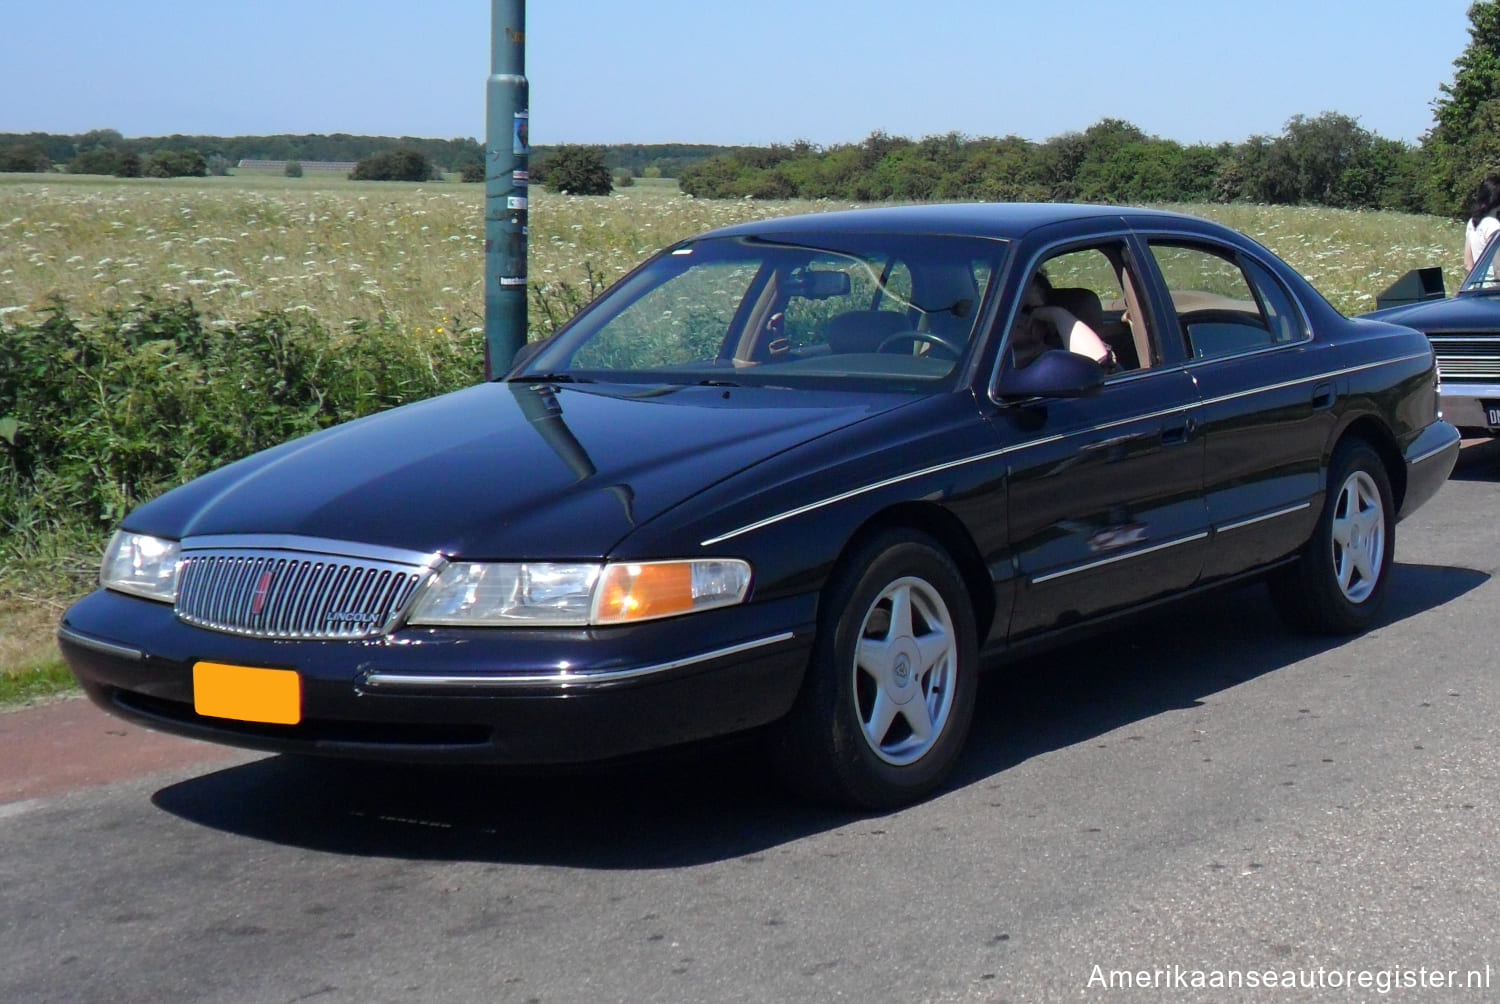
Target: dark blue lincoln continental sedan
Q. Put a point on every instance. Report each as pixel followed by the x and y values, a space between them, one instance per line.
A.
pixel 806 477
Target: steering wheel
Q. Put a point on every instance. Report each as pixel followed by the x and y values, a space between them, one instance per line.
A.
pixel 921 337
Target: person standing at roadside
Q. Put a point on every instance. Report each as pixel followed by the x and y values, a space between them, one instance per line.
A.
pixel 1482 224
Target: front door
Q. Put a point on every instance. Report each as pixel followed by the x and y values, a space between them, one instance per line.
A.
pixel 1105 491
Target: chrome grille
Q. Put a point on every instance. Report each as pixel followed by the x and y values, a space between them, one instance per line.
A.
pixel 283 592
pixel 1467 357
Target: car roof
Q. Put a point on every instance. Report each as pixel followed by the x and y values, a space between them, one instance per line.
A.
pixel 981 219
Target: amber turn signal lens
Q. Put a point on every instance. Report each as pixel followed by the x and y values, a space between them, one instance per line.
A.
pixel 636 592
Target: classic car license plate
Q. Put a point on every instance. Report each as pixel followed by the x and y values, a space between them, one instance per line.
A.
pixel 1492 413
pixel 247 694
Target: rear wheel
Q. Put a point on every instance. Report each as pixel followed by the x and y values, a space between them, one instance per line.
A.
pixel 1342 577
pixel 890 691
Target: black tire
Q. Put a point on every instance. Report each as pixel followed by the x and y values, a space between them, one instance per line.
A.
pixel 854 740
pixel 1337 586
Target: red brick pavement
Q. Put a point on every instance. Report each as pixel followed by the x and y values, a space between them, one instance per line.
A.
pixel 68 744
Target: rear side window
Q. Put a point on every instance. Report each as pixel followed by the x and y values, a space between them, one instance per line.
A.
pixel 1225 304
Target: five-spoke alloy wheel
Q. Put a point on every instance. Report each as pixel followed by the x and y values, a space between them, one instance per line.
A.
pixel 1338 584
pixel 905 666
pixel 889 693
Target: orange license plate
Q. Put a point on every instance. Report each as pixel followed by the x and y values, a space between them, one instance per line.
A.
pixel 247 694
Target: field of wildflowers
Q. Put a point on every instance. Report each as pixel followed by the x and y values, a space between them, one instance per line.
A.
pixel 413 254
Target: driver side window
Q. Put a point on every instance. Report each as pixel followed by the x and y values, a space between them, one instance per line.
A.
pixel 1084 300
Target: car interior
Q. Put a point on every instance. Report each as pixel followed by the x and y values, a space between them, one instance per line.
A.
pixel 1093 284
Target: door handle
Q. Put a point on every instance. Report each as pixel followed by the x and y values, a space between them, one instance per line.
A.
pixel 1322 396
pixel 1108 444
pixel 1176 435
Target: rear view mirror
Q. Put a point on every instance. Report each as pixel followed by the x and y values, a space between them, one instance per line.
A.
pixel 820 285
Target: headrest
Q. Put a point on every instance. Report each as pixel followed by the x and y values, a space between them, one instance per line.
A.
pixel 1082 303
pixel 863 330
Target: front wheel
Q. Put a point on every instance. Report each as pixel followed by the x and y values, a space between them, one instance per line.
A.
pixel 1341 580
pixel 890 691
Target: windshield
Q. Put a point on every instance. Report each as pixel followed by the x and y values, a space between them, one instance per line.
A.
pixel 1485 275
pixel 815 309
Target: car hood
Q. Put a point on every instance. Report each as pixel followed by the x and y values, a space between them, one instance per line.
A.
pixel 506 470
pixel 1465 312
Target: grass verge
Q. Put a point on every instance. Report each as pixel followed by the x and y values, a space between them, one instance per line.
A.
pixel 30 667
pixel 22 686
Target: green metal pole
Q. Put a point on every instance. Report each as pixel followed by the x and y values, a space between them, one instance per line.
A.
pixel 506 176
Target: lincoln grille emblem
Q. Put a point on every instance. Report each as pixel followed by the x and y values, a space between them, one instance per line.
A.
pixel 262 588
pixel 352 617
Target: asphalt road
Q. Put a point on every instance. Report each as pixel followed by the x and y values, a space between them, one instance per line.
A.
pixel 1199 796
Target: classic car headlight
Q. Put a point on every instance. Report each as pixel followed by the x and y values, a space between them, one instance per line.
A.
pixel 141 565
pixel 478 593
pixel 546 594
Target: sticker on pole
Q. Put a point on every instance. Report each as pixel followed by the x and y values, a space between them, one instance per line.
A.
pixel 521 142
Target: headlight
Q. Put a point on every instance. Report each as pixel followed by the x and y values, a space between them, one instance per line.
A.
pixel 544 594
pixel 141 565
pixel 476 594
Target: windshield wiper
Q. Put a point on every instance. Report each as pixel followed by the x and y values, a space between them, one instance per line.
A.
pixel 549 378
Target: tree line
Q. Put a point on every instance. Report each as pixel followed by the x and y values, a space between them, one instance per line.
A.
pixel 1328 160
pixel 106 151
pixel 98 148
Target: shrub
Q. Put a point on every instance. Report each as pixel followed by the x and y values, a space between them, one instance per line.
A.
pixel 404 164
pixel 576 170
pixel 175 164
pixel 219 165
pixel 99 160
pixel 24 157
pixel 98 414
pixel 293 169
pixel 624 179
pixel 473 172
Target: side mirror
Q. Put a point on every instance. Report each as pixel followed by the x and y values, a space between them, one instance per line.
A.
pixel 1054 373
pixel 526 353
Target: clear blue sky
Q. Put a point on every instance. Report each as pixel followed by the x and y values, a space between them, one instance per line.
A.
pixel 708 71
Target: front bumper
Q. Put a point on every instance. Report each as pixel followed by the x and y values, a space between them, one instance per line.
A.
pixel 1463 404
pixel 502 696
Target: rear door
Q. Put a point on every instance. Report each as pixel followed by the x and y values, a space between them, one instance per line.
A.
pixel 1267 394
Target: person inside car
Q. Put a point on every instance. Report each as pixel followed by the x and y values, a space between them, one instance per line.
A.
pixel 1067 330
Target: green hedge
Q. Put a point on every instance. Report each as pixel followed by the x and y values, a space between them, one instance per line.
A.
pixel 100 413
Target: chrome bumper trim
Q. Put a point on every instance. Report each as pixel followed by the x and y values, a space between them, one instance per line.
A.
pixel 1438 451
pixel 383 681
pixel 100 645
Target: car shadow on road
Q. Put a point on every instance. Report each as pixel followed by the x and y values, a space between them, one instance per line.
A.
pixel 1169 662
pixel 1479 460
pixel 718 802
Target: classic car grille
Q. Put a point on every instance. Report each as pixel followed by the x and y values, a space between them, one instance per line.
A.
pixel 1467 357
pixel 291 594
